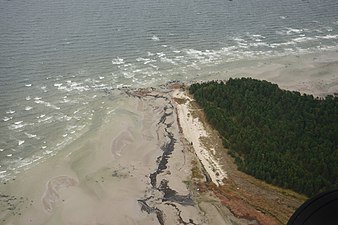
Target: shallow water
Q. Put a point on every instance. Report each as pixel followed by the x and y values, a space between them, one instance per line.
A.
pixel 61 61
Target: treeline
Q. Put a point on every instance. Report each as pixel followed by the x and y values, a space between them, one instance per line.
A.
pixel 282 137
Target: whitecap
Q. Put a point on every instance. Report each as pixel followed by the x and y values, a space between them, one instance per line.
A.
pixel 44 88
pixel 329 36
pixel 193 65
pixel 66 100
pixel 59 144
pixel 243 45
pixel 145 60
pixel 68 118
pixel 43 146
pixel 239 39
pixel 283 17
pixel 45 119
pixel 149 61
pixel 30 135
pixel 64 135
pixel 282 44
pixel 101 78
pixel 164 46
pixel 1 149
pixel 118 86
pixel 141 59
pixel 28 98
pixel 150 54
pixel 26 162
pixel 27 108
pixel 37 98
pixel 18 122
pixel 303 39
pixel 259 44
pixel 38 101
pixel 10 112
pixel 176 51
pixel 137 71
pixel 20 142
pixel 258 36
pixel 9 155
pixel 196 54
pixel 167 60
pixel 5 119
pixel 78 118
pixel 117 61
pixel 152 65
pixel 290 31
pixel 57 84
pixel 14 127
pixel 51 105
pixel 28 85
pixel 128 75
pixel 75 86
pixel 155 38
pixel 181 59
pixel 160 54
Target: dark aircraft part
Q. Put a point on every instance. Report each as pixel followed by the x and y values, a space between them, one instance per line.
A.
pixel 322 209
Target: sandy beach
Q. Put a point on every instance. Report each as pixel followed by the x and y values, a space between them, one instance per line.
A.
pixel 156 161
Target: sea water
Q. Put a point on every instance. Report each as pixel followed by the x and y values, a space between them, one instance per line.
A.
pixel 63 62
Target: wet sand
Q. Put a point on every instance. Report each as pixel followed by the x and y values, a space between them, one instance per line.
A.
pixel 133 171
pixel 138 168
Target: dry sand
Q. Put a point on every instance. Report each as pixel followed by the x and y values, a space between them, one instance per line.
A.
pixel 194 131
pixel 136 169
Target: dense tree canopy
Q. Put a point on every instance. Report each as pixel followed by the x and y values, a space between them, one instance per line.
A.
pixel 282 137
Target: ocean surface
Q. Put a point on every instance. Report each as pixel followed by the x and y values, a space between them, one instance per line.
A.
pixel 63 61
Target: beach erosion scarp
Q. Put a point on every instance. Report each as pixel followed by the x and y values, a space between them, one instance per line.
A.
pixel 194 131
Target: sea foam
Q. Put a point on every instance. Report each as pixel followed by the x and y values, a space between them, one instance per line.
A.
pixel 155 38
pixel 117 61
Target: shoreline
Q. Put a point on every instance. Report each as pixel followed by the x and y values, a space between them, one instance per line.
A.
pixel 149 165
pixel 310 73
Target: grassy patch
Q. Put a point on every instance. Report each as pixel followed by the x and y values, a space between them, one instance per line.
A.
pixel 195 170
pixel 180 101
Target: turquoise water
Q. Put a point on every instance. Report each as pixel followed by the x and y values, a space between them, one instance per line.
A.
pixel 62 61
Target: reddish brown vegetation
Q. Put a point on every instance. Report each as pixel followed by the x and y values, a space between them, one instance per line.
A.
pixel 241 208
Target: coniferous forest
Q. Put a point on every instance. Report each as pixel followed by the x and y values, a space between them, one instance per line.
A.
pixel 282 137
